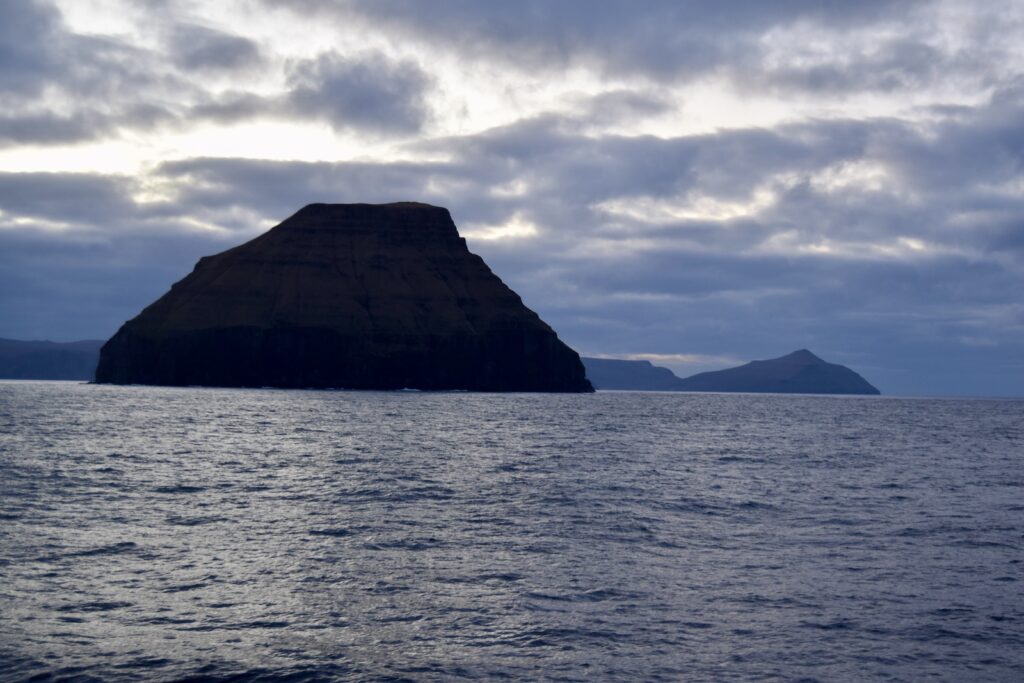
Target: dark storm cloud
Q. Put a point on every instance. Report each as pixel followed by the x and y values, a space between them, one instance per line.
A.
pixel 96 208
pixel 985 147
pixel 79 255
pixel 950 168
pixel 897 64
pixel 85 283
pixel 620 105
pixel 45 128
pixel 666 39
pixel 568 175
pixel 111 86
pixel 75 198
pixel 367 91
pixel 802 46
pixel 25 58
pixel 194 47
pixel 48 129
pixel 38 53
pixel 235 106
pixel 103 85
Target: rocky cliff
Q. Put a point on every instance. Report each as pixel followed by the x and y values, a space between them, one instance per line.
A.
pixel 354 296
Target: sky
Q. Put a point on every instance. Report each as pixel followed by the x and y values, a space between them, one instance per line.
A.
pixel 694 183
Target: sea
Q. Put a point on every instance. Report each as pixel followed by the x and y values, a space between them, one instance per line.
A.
pixel 191 534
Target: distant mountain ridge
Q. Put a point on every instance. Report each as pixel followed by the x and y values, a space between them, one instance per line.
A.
pixel 800 372
pixel 49 360
pixel 612 373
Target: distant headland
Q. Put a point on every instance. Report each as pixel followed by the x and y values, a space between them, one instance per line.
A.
pixel 48 360
pixel 800 372
pixel 355 296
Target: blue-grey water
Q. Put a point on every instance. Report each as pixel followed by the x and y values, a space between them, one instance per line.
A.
pixel 166 534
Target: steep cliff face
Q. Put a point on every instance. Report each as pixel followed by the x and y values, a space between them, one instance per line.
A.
pixel 354 296
pixel 800 372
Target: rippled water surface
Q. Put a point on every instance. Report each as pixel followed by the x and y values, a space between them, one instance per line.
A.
pixel 161 534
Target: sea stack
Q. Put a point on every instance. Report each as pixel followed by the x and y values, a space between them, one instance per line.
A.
pixel 354 296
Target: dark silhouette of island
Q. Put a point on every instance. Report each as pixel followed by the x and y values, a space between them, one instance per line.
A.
pixel 629 375
pixel 354 296
pixel 800 372
pixel 48 360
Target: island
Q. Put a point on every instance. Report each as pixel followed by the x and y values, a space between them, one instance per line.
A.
pixel 800 372
pixel 630 375
pixel 352 296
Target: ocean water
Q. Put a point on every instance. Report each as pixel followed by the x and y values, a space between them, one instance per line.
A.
pixel 203 534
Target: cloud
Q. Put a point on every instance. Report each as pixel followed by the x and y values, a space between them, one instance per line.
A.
pixel 615 106
pixel 79 253
pixel 366 91
pixel 58 87
pixel 195 47
pixel 664 40
pixel 46 128
pixel 892 65
pixel 64 198
pixel 71 286
pixel 889 238
pixel 806 48
pixel 25 58
pixel 278 188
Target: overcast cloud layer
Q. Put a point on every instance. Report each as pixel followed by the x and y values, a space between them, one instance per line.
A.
pixel 696 183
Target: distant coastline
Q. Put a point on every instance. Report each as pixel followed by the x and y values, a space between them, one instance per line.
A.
pixel 800 372
pixel 49 360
